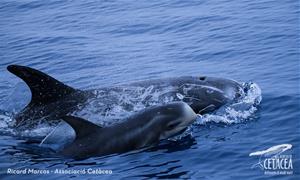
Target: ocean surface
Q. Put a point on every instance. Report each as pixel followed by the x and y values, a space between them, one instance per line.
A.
pixel 94 44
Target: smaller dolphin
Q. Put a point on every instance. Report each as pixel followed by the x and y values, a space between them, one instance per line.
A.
pixel 143 129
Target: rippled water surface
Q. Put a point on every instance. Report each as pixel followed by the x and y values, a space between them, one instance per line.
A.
pixel 92 44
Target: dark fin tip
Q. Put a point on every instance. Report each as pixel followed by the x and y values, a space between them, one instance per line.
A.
pixel 12 68
pixel 44 88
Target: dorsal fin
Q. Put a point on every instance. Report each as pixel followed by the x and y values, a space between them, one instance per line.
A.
pixel 81 126
pixel 44 88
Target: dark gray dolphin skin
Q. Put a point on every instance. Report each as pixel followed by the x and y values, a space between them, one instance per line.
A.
pixel 47 95
pixel 52 99
pixel 143 129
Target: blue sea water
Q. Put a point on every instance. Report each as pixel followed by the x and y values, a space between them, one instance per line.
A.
pixel 92 44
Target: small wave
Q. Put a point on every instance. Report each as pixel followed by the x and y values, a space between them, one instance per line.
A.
pixel 6 121
pixel 7 127
pixel 236 112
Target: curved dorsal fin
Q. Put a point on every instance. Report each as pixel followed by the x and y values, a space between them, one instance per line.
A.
pixel 81 126
pixel 44 88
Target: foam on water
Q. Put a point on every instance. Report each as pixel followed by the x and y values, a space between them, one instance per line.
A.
pixel 236 112
pixel 122 102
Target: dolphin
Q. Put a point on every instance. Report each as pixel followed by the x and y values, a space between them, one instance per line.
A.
pixel 145 128
pixel 52 99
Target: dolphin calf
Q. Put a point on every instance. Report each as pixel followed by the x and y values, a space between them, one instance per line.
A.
pixel 143 129
pixel 52 99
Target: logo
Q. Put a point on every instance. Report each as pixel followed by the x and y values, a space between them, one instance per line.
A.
pixel 275 160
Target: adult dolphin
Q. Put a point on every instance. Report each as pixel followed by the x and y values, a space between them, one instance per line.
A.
pixel 52 99
pixel 145 128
